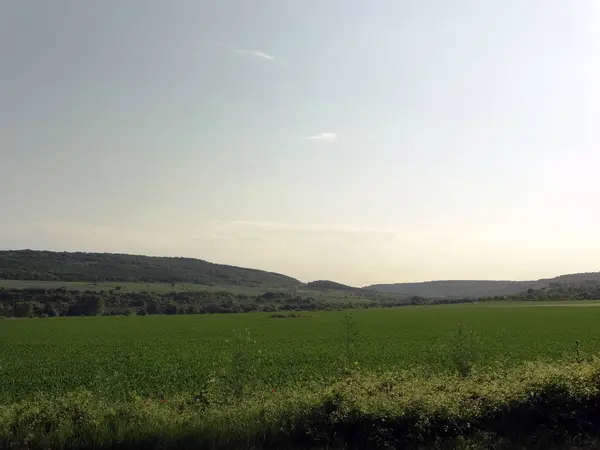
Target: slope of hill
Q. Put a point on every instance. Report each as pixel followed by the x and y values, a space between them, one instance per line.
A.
pixel 481 288
pixel 331 285
pixel 574 278
pixel 64 266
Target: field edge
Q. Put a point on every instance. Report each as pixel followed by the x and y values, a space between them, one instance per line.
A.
pixel 533 403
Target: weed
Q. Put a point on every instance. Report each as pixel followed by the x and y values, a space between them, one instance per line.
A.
pixel 238 368
pixel 350 340
pixel 580 355
pixel 464 350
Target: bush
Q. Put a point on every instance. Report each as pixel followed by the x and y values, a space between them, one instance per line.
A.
pixel 536 404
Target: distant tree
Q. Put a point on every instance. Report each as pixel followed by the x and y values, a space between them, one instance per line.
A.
pixel 23 309
pixel 8 311
pixel 153 306
pixel 50 309
pixel 416 300
pixel 99 306
pixel 171 308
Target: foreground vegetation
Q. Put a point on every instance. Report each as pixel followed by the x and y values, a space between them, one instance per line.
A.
pixel 446 376
pixel 538 405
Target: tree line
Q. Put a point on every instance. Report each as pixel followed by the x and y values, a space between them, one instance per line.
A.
pixel 556 291
pixel 62 302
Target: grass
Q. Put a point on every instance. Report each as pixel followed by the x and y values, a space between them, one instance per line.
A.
pixel 242 379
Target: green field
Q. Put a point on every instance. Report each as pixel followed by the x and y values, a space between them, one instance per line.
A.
pixel 249 380
pixel 115 356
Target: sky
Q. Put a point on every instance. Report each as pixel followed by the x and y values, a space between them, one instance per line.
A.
pixel 360 141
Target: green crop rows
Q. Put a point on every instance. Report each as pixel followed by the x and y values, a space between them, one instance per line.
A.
pixel 117 356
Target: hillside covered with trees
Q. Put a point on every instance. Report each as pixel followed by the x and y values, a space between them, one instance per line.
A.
pixel 110 267
pixel 586 290
pixel 100 267
pixel 484 288
pixel 327 285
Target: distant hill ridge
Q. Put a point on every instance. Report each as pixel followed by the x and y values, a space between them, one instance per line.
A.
pixel 91 267
pixel 333 286
pixel 481 288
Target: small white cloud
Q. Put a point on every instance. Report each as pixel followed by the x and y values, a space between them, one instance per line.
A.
pixel 324 137
pixel 255 53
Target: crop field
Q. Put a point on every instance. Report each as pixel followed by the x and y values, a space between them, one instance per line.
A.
pixel 118 356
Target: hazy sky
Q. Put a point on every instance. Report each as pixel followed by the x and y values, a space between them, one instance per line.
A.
pixel 359 141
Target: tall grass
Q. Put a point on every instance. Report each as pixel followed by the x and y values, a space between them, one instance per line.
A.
pixel 536 402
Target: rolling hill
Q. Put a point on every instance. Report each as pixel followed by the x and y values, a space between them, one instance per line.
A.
pixel 111 267
pixel 326 285
pixel 481 288
pixel 92 267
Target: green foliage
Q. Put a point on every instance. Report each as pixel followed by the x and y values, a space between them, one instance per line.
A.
pixel 350 336
pixel 582 285
pixel 100 267
pixel 241 366
pixel 49 299
pixel 190 382
pixel 332 285
pixel 62 302
pixel 99 306
pixel 115 356
pixel 534 405
pixel 561 291
pixel 464 350
pixel 580 355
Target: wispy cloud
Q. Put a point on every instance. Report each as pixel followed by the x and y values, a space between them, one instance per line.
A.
pixel 328 138
pixel 254 53
pixel 273 229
